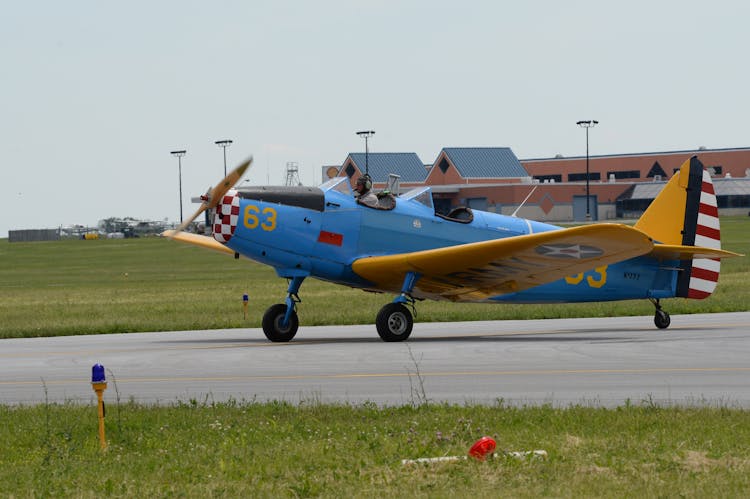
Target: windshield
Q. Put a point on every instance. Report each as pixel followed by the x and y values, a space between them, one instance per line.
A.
pixel 422 195
pixel 340 184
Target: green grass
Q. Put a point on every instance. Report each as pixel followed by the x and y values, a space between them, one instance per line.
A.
pixel 118 286
pixel 308 450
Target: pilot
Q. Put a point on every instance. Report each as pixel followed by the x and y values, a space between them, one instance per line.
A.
pixel 364 193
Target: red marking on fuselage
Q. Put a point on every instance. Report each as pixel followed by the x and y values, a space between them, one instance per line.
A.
pixel 330 238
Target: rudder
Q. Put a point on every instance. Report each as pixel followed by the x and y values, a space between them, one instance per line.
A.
pixel 685 212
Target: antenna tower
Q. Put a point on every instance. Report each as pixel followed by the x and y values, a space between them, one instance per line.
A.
pixel 292 173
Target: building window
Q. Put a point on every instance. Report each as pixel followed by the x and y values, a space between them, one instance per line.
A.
pixel 443 165
pixel 548 178
pixel 579 177
pixel 349 170
pixel 656 169
pixel 715 170
pixel 733 201
pixel 625 174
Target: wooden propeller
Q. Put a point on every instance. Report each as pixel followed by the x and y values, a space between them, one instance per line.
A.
pixel 214 196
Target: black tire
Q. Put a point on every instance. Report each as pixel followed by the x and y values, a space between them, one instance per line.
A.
pixel 272 324
pixel 394 322
pixel 662 319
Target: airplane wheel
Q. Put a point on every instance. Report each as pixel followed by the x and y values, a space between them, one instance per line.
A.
pixel 662 319
pixel 394 322
pixel 272 323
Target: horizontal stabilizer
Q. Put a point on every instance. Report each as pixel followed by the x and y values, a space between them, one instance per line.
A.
pixel 680 252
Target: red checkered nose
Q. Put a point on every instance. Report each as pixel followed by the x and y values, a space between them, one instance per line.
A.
pixel 226 216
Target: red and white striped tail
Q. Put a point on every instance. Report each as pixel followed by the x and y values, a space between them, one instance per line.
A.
pixel 704 274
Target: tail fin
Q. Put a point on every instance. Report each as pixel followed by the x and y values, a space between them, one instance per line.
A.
pixel 685 213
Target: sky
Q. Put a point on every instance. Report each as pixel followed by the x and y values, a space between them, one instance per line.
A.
pixel 94 95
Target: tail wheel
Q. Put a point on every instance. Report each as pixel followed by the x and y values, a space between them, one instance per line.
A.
pixel 272 320
pixel 394 322
pixel 662 319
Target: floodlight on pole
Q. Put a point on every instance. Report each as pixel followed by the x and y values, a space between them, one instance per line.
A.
pixel 179 155
pixel 224 144
pixel 587 124
pixel 366 134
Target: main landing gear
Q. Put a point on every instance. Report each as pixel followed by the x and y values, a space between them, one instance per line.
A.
pixel 280 322
pixel 394 321
pixel 661 317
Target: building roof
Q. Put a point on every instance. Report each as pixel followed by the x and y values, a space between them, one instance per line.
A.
pixel 732 186
pixel 699 150
pixel 484 162
pixel 380 164
pixel 722 187
pixel 644 190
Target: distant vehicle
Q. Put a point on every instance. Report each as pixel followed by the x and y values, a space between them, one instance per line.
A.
pixel 400 245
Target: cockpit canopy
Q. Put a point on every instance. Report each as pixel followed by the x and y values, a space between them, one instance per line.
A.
pixel 381 201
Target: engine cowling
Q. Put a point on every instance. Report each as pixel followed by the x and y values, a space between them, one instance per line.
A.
pixel 226 217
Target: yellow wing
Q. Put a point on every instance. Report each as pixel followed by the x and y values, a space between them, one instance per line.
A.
pixel 477 271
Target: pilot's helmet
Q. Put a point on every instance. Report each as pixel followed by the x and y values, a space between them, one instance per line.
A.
pixel 365 181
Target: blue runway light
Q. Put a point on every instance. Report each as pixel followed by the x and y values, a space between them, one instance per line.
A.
pixel 245 304
pixel 97 374
pixel 99 384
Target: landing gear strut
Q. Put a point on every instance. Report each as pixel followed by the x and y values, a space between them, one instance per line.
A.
pixel 394 321
pixel 280 322
pixel 661 317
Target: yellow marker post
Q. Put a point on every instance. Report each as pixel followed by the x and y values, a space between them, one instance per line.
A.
pixel 245 300
pixel 99 384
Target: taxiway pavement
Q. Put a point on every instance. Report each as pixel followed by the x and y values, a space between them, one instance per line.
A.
pixel 700 360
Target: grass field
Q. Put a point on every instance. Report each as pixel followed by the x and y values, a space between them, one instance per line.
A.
pixel 119 286
pixel 283 450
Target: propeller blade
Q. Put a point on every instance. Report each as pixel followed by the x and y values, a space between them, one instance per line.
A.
pixel 214 197
pixel 217 193
pixel 188 221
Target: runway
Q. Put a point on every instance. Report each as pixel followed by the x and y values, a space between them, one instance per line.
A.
pixel 700 360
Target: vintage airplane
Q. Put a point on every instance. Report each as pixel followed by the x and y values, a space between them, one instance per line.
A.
pixel 401 245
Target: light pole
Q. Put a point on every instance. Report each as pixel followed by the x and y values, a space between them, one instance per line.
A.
pixel 179 155
pixel 587 124
pixel 366 134
pixel 224 144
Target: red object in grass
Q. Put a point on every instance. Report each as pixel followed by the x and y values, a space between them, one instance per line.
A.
pixel 481 448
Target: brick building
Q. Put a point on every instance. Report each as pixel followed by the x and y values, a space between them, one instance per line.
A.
pixel 493 179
